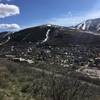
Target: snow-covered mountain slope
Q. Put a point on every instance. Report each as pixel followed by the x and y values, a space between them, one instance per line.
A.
pixel 92 25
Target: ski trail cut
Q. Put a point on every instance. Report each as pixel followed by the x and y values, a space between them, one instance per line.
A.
pixel 47 36
pixel 5 41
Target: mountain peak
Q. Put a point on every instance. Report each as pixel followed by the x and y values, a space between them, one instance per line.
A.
pixel 91 25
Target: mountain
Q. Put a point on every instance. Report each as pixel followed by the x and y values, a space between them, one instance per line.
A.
pixel 35 34
pixel 92 25
pixel 50 61
pixel 50 35
pixel 38 34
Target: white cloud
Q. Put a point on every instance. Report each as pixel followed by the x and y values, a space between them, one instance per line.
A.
pixel 8 10
pixel 9 26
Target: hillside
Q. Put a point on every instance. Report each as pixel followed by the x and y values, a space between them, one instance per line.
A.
pixel 49 62
pixel 51 35
pixel 92 25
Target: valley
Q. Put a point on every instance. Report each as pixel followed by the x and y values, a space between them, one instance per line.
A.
pixel 50 62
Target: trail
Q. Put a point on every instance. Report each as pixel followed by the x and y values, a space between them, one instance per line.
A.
pixel 46 72
pixel 2 43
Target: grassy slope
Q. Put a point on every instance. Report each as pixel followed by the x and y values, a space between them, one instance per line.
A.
pixel 20 82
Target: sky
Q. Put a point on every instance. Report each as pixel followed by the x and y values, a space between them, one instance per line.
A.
pixel 19 14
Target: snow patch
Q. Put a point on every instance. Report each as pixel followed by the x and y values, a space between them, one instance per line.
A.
pixel 30 61
pixel 79 26
pixel 24 60
pixel 47 36
pixel 84 26
pixel 88 25
pixel 49 25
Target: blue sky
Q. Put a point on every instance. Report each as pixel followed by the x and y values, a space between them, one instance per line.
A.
pixel 26 13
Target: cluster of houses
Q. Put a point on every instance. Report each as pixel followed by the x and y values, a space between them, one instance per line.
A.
pixel 64 56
